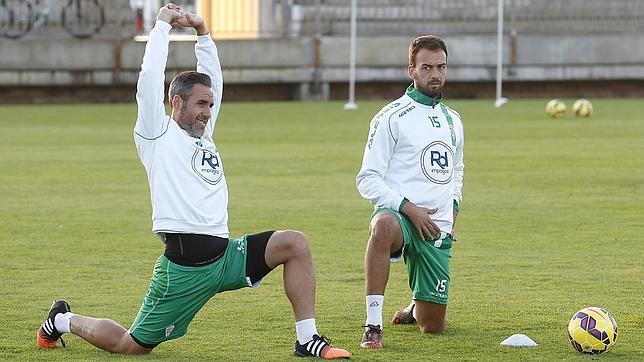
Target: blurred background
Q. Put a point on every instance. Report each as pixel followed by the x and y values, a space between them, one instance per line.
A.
pixel 68 51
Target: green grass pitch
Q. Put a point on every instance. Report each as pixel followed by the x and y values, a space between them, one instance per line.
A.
pixel 552 221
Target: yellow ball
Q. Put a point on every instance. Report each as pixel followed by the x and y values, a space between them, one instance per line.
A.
pixel 582 108
pixel 555 108
pixel 592 330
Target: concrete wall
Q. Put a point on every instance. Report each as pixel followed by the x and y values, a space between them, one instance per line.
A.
pixel 311 68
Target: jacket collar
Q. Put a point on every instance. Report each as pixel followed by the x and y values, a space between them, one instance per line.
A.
pixel 422 98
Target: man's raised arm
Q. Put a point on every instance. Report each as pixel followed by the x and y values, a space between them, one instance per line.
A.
pixel 207 62
pixel 151 118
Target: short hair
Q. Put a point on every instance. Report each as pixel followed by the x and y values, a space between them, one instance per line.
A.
pixel 183 82
pixel 430 42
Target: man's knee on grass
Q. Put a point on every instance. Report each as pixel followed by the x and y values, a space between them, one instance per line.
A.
pixel 433 328
pixel 431 317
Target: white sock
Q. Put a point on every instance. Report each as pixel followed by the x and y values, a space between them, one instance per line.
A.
pixel 62 321
pixel 305 330
pixel 374 309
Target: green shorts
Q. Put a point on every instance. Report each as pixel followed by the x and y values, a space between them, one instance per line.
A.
pixel 178 292
pixel 427 261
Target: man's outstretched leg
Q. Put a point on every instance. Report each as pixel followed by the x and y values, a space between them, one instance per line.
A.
pixel 102 333
pixel 385 239
pixel 291 249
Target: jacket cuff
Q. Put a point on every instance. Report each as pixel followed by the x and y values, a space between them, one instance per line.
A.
pixel 163 25
pixel 204 37
pixel 402 203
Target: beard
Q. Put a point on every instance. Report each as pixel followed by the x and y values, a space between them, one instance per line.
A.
pixel 189 124
pixel 430 89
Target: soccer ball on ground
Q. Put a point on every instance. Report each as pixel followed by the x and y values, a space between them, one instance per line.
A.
pixel 555 108
pixel 582 108
pixel 592 330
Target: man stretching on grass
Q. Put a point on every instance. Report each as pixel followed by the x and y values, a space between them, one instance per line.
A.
pixel 189 202
pixel 412 172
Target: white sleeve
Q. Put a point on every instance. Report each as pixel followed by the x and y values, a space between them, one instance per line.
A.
pixel 151 120
pixel 459 165
pixel 375 162
pixel 208 63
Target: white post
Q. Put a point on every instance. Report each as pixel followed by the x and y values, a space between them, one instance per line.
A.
pixel 150 10
pixel 500 100
pixel 352 62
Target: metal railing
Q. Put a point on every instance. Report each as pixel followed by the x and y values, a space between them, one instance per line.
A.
pixel 56 19
pixel 404 17
pixel 25 19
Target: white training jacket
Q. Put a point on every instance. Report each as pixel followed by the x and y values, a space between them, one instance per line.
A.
pixel 414 151
pixel 186 176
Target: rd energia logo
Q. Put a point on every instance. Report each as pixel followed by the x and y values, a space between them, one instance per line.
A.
pixel 207 165
pixel 436 160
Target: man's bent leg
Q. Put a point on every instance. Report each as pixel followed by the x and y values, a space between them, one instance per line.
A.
pixel 291 248
pixel 429 279
pixel 385 238
pixel 106 334
pixel 431 317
